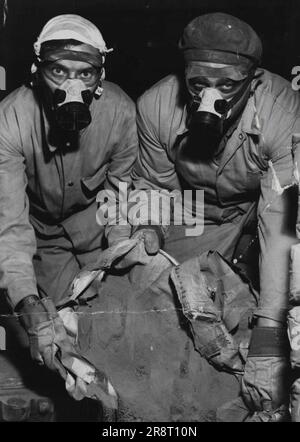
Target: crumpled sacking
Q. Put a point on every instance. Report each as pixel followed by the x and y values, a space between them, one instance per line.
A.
pixel 82 379
pixel 216 300
pixel 122 255
pixel 135 332
pixel 115 254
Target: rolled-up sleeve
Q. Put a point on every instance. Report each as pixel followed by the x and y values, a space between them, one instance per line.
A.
pixel 17 238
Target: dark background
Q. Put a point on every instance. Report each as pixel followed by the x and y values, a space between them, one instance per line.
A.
pixel 144 34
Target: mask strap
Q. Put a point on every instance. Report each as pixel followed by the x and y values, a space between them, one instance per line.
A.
pixel 98 92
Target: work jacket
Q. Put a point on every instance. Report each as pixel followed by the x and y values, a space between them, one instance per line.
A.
pixel 254 165
pixel 48 186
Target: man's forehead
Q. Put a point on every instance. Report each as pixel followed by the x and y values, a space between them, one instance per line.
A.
pixel 72 64
pixel 215 70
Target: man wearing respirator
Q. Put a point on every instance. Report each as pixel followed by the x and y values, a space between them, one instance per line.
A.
pixel 64 137
pixel 226 126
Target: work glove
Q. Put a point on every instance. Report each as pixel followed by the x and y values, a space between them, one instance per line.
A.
pixel 50 345
pixel 151 238
pixel 44 329
pixel 265 384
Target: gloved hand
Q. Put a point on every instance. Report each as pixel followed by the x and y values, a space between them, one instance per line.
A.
pixel 44 327
pixel 50 345
pixel 265 385
pixel 152 241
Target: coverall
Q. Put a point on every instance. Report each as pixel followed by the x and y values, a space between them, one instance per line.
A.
pixel 254 164
pixel 48 189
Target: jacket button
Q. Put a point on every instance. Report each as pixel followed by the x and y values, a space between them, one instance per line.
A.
pixel 241 136
pixel 70 183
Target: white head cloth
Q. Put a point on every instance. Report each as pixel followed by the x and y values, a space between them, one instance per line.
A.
pixel 71 26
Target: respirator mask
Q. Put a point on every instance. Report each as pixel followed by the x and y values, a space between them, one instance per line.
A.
pixel 67 101
pixel 71 105
pixel 208 115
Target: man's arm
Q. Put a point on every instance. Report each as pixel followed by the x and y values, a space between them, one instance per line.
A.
pixel 265 385
pixel 277 228
pixel 153 171
pixel 118 179
pixel 17 238
pixel 153 168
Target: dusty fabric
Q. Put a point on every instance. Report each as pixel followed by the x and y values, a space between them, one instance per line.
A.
pixel 48 189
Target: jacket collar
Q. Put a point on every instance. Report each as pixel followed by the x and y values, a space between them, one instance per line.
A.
pixel 250 122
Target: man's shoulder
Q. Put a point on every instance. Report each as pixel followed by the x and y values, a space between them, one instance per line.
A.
pixel 21 99
pixel 277 93
pixel 115 94
pixel 164 93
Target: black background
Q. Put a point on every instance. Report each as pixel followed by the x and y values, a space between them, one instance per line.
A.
pixel 144 34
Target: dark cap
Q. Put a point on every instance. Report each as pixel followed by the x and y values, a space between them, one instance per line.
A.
pixel 221 38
